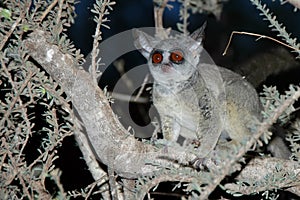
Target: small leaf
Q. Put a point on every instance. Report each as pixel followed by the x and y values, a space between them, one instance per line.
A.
pixel 5 13
pixel 25 27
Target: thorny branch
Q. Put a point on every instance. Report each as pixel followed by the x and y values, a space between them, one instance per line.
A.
pixel 97 37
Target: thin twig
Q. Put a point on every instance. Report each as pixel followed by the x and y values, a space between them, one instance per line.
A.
pixel 145 189
pixel 142 88
pixel 49 8
pixel 16 169
pixel 4 155
pixel 120 66
pixel 158 14
pixel 112 184
pixel 158 19
pixel 14 26
pixel 97 38
pixel 185 17
pixel 60 8
pixel 128 98
pixel 91 190
pixel 256 35
pixel 55 175
pixel 17 91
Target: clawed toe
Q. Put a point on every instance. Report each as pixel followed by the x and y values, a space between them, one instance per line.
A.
pixel 199 163
pixel 203 163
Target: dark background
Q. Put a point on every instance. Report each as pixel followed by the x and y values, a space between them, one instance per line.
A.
pixel 244 50
pixel 236 16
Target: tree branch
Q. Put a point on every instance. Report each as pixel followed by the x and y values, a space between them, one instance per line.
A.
pixel 113 145
pixel 259 170
pixel 158 19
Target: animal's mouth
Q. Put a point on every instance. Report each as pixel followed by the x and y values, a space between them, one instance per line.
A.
pixel 166 67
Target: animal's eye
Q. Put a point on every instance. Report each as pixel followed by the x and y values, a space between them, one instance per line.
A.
pixel 157 57
pixel 176 57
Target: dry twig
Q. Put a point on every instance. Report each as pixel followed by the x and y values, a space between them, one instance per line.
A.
pixel 256 35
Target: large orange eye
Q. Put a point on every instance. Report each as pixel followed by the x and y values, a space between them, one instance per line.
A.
pixel 176 57
pixel 157 57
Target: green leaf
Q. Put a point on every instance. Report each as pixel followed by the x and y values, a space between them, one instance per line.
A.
pixel 5 13
pixel 25 27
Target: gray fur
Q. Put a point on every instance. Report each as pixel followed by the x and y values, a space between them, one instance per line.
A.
pixel 198 101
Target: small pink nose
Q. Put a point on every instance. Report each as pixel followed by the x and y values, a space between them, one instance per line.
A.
pixel 166 67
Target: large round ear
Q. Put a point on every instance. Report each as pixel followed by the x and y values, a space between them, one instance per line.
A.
pixel 143 42
pixel 197 36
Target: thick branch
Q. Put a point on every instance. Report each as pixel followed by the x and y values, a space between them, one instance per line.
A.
pixel 114 146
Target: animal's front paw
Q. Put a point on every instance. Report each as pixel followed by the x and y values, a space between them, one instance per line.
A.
pixel 203 163
pixel 199 163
